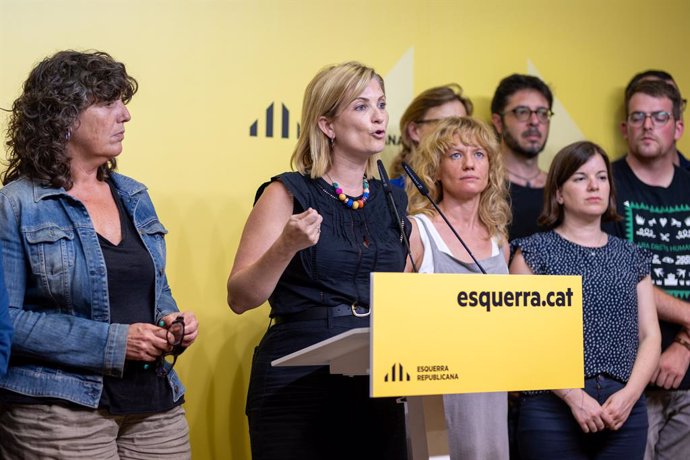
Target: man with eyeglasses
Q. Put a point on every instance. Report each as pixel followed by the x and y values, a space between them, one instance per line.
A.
pixel 651 75
pixel 521 114
pixel 653 197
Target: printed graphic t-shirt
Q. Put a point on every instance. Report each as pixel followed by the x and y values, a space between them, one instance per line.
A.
pixel 658 219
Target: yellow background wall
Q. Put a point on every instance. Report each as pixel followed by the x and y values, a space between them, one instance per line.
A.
pixel 209 68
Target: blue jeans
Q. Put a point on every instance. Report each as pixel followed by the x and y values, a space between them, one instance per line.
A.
pixel 547 428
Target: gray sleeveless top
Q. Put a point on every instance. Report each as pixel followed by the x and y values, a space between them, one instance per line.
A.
pixel 446 263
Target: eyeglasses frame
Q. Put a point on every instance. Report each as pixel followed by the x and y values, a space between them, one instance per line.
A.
pixel 548 113
pixel 650 115
pixel 176 344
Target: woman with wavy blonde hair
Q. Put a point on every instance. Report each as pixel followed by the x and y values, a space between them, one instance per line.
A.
pixel 461 165
pixel 493 209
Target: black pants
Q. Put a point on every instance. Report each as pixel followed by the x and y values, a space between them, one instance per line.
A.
pixel 306 413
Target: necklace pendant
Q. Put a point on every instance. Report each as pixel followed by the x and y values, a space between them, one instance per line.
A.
pixel 528 180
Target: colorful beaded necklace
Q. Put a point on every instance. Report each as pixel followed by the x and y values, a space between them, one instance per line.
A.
pixel 349 201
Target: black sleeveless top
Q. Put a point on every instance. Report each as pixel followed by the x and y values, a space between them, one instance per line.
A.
pixel 526 204
pixel 352 244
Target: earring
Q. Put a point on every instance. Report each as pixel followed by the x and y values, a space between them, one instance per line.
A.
pixel 68 136
pixel 331 141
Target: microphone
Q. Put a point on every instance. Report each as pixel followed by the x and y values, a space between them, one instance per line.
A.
pixel 425 191
pixel 417 181
pixel 394 209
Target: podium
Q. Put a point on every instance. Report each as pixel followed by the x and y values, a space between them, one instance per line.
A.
pixel 528 327
pixel 349 354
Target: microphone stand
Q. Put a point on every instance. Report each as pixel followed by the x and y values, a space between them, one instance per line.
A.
pixel 394 210
pixel 425 191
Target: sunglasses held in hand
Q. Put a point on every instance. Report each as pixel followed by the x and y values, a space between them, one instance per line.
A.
pixel 174 335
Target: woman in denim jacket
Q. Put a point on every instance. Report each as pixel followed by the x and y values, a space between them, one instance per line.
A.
pixel 84 258
pixel 5 325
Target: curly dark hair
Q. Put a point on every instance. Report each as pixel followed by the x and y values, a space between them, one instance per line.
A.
pixel 58 89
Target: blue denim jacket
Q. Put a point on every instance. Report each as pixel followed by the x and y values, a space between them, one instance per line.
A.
pixel 58 294
pixel 5 324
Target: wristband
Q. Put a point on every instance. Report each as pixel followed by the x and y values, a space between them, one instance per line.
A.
pixel 683 342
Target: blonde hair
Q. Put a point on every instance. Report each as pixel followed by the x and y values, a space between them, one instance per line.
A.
pixel 332 89
pixel 416 111
pixel 494 210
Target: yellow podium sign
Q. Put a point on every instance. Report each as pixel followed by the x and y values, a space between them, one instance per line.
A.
pixel 458 333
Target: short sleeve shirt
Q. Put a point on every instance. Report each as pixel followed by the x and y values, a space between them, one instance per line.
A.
pixel 610 275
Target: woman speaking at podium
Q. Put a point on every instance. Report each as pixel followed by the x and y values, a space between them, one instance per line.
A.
pixel 608 417
pixel 308 247
pixel 461 165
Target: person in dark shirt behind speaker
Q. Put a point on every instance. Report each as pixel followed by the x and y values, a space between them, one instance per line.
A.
pixel 521 115
pixel 653 197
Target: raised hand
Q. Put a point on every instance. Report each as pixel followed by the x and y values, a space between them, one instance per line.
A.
pixel 302 230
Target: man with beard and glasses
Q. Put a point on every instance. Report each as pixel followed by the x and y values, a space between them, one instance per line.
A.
pixel 521 113
pixel 653 196
pixel 661 75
